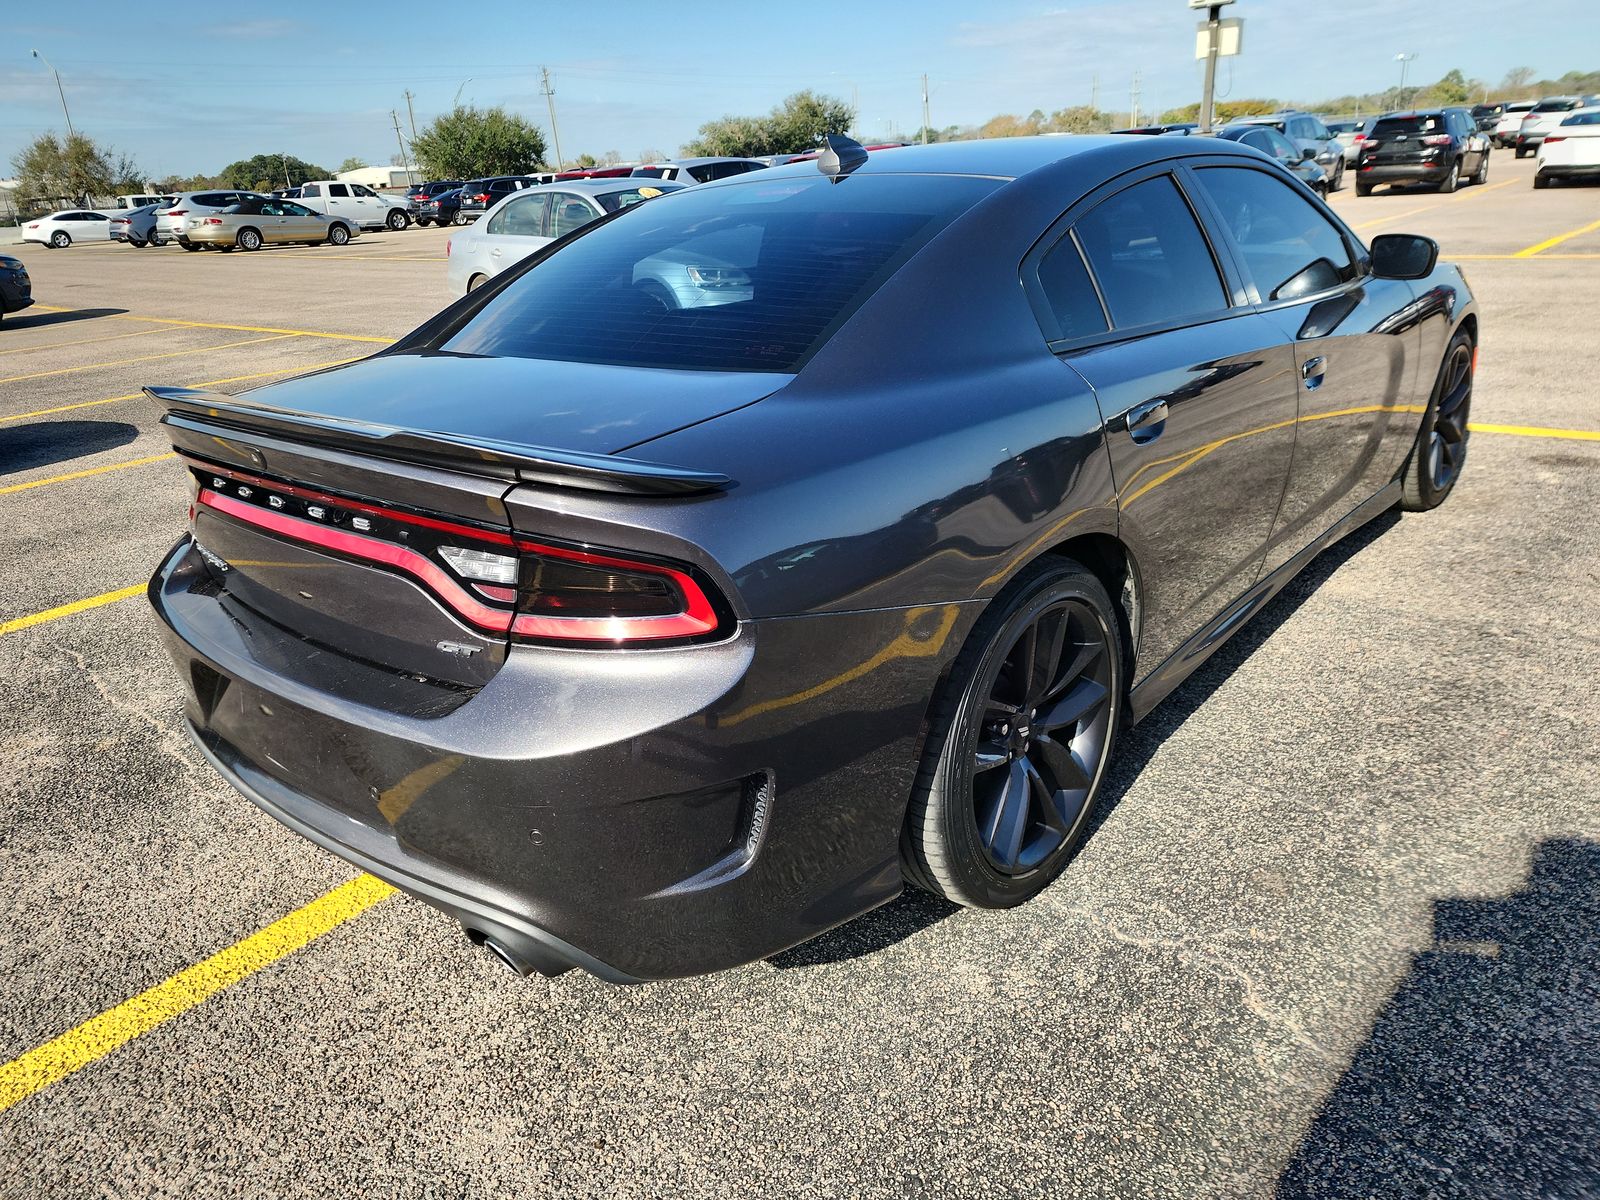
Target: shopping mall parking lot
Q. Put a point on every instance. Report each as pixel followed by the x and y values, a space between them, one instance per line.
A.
pixel 1338 932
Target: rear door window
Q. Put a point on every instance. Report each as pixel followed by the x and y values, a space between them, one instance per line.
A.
pixel 1149 257
pixel 1065 282
pixel 568 213
pixel 311 190
pixel 338 189
pixel 522 217
pixel 1290 248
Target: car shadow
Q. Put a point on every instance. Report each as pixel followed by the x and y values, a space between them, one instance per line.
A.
pixel 29 319
pixel 915 910
pixel 1481 1076
pixel 24 447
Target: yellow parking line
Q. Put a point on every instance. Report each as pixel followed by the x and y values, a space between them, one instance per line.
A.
pixel 121 466
pixel 1530 251
pixel 1519 257
pixel 45 412
pixel 67 610
pixel 1458 198
pixel 316 333
pixel 110 337
pixel 97 1037
pixel 123 362
pixel 1538 431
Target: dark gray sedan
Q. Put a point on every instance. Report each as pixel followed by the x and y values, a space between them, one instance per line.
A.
pixel 653 637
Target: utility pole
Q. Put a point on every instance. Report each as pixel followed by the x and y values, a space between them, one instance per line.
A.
pixel 1208 97
pixel 1094 94
pixel 550 97
pixel 924 110
pixel 1133 101
pixel 411 113
pixel 401 142
pixel 1405 60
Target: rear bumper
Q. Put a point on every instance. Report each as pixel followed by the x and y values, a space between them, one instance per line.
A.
pixel 15 297
pixel 1404 172
pixel 642 815
pixel 1570 170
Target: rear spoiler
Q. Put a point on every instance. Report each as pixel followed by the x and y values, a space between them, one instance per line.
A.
pixel 205 412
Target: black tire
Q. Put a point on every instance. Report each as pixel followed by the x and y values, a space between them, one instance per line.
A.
pixel 136 243
pixel 1363 188
pixel 60 239
pixel 1522 152
pixel 249 239
pixel 338 235
pixel 1337 181
pixel 1451 181
pixel 476 282
pixel 1481 175
pixel 397 220
pixel 1440 452
pixel 423 222
pixel 1011 767
pixel 1541 181
pixel 187 244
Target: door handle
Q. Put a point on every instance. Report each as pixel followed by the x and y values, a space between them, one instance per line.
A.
pixel 1147 420
pixel 1313 371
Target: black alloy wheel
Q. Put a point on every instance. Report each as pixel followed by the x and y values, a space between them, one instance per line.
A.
pixel 1015 762
pixel 1440 452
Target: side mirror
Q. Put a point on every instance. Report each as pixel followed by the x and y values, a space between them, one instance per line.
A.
pixel 1307 154
pixel 1403 256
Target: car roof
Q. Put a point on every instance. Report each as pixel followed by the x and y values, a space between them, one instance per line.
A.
pixel 1007 158
pixel 619 183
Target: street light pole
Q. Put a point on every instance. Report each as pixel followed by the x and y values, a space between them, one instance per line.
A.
pixel 60 91
pixel 1404 60
pixel 457 101
pixel 1208 96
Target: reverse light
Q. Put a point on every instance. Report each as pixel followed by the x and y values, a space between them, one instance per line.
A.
pixel 480 564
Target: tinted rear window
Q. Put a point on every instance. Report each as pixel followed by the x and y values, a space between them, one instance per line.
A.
pixel 749 277
pixel 1398 127
pixel 1545 106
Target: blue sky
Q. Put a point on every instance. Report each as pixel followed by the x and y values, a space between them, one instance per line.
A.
pixel 189 89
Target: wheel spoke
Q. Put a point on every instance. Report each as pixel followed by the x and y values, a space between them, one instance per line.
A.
pixel 1010 817
pixel 1052 633
pixel 1081 699
pixel 1085 656
pixel 1058 759
pixel 1022 663
pixel 1044 797
pixel 989 756
pixel 1447 430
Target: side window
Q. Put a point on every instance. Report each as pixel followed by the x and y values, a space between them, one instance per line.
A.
pixel 1070 292
pixel 311 190
pixel 1149 257
pixel 1290 248
pixel 567 213
pixel 357 190
pixel 523 217
pixel 338 189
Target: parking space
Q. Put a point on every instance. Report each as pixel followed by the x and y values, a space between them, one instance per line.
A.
pixel 1313 867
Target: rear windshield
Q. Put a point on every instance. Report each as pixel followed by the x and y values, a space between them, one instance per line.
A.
pixel 747 277
pixel 1398 127
pixel 1555 106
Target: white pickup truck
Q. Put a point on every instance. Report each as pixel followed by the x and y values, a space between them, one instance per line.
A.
pixel 356 203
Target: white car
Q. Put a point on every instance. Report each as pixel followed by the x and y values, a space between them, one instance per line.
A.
pixel 355 203
pixel 530 219
pixel 1571 150
pixel 1510 123
pixel 63 228
pixel 171 222
pixel 1545 116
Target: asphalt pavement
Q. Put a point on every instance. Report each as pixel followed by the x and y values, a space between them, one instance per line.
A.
pixel 1335 933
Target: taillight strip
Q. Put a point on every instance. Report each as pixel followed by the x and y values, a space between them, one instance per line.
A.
pixel 697 619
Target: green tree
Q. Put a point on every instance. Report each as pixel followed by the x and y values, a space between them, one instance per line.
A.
pixel 353 163
pixel 76 169
pixel 793 127
pixel 263 172
pixel 1452 89
pixel 469 143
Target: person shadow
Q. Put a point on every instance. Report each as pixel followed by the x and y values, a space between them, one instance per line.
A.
pixel 915 910
pixel 1481 1077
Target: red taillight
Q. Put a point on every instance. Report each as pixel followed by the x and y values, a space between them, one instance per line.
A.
pixel 1436 139
pixel 213 221
pixel 121 221
pixel 537 591
pixel 176 212
pixel 447 248
pixel 1553 138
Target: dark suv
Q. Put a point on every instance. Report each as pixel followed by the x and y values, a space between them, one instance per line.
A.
pixel 479 195
pixel 1441 146
pixel 423 199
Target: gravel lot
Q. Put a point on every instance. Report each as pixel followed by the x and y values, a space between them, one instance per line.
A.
pixel 1336 934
